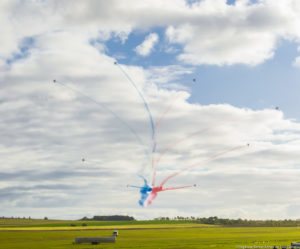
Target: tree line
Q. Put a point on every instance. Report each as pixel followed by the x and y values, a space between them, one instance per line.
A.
pixel 214 220
pixel 110 218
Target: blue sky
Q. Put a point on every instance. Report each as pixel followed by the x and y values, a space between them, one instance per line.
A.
pixel 273 83
pixel 159 57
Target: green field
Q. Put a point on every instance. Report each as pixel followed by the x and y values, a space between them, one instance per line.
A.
pixel 64 223
pixel 59 234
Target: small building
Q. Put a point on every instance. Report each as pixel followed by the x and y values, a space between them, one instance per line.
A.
pixel 97 240
pixel 295 245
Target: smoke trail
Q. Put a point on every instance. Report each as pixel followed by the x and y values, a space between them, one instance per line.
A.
pixel 144 191
pixel 91 162
pixel 155 190
pixel 133 186
pixel 108 110
pixel 201 162
pixel 175 188
pixel 145 104
pixel 158 122
pixel 150 198
pixel 180 141
pixel 160 156
pixel 153 171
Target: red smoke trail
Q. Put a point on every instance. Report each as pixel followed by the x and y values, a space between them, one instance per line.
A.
pixel 158 122
pixel 175 188
pixel 155 162
pixel 165 150
pixel 155 190
pixel 201 162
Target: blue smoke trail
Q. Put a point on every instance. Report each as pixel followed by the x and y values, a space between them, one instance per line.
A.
pixel 145 190
pixel 108 110
pixel 145 104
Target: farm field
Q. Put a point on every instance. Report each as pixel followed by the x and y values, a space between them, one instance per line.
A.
pixel 18 223
pixel 171 236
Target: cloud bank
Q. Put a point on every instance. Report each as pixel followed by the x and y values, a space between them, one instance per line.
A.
pixel 210 32
pixel 93 112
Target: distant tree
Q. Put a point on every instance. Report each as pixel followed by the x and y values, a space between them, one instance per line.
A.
pixel 113 218
pixel 45 218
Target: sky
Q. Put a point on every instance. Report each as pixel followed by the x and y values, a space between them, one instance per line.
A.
pixel 88 88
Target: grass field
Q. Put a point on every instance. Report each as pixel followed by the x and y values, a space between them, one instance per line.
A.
pixel 66 223
pixel 46 235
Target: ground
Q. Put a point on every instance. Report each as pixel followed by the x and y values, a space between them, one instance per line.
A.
pixel 60 235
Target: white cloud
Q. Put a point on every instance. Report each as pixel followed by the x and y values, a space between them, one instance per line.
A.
pixel 296 62
pixel 210 32
pixel 145 48
pixel 46 129
pixel 226 35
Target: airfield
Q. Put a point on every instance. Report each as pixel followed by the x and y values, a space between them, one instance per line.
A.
pixel 16 234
